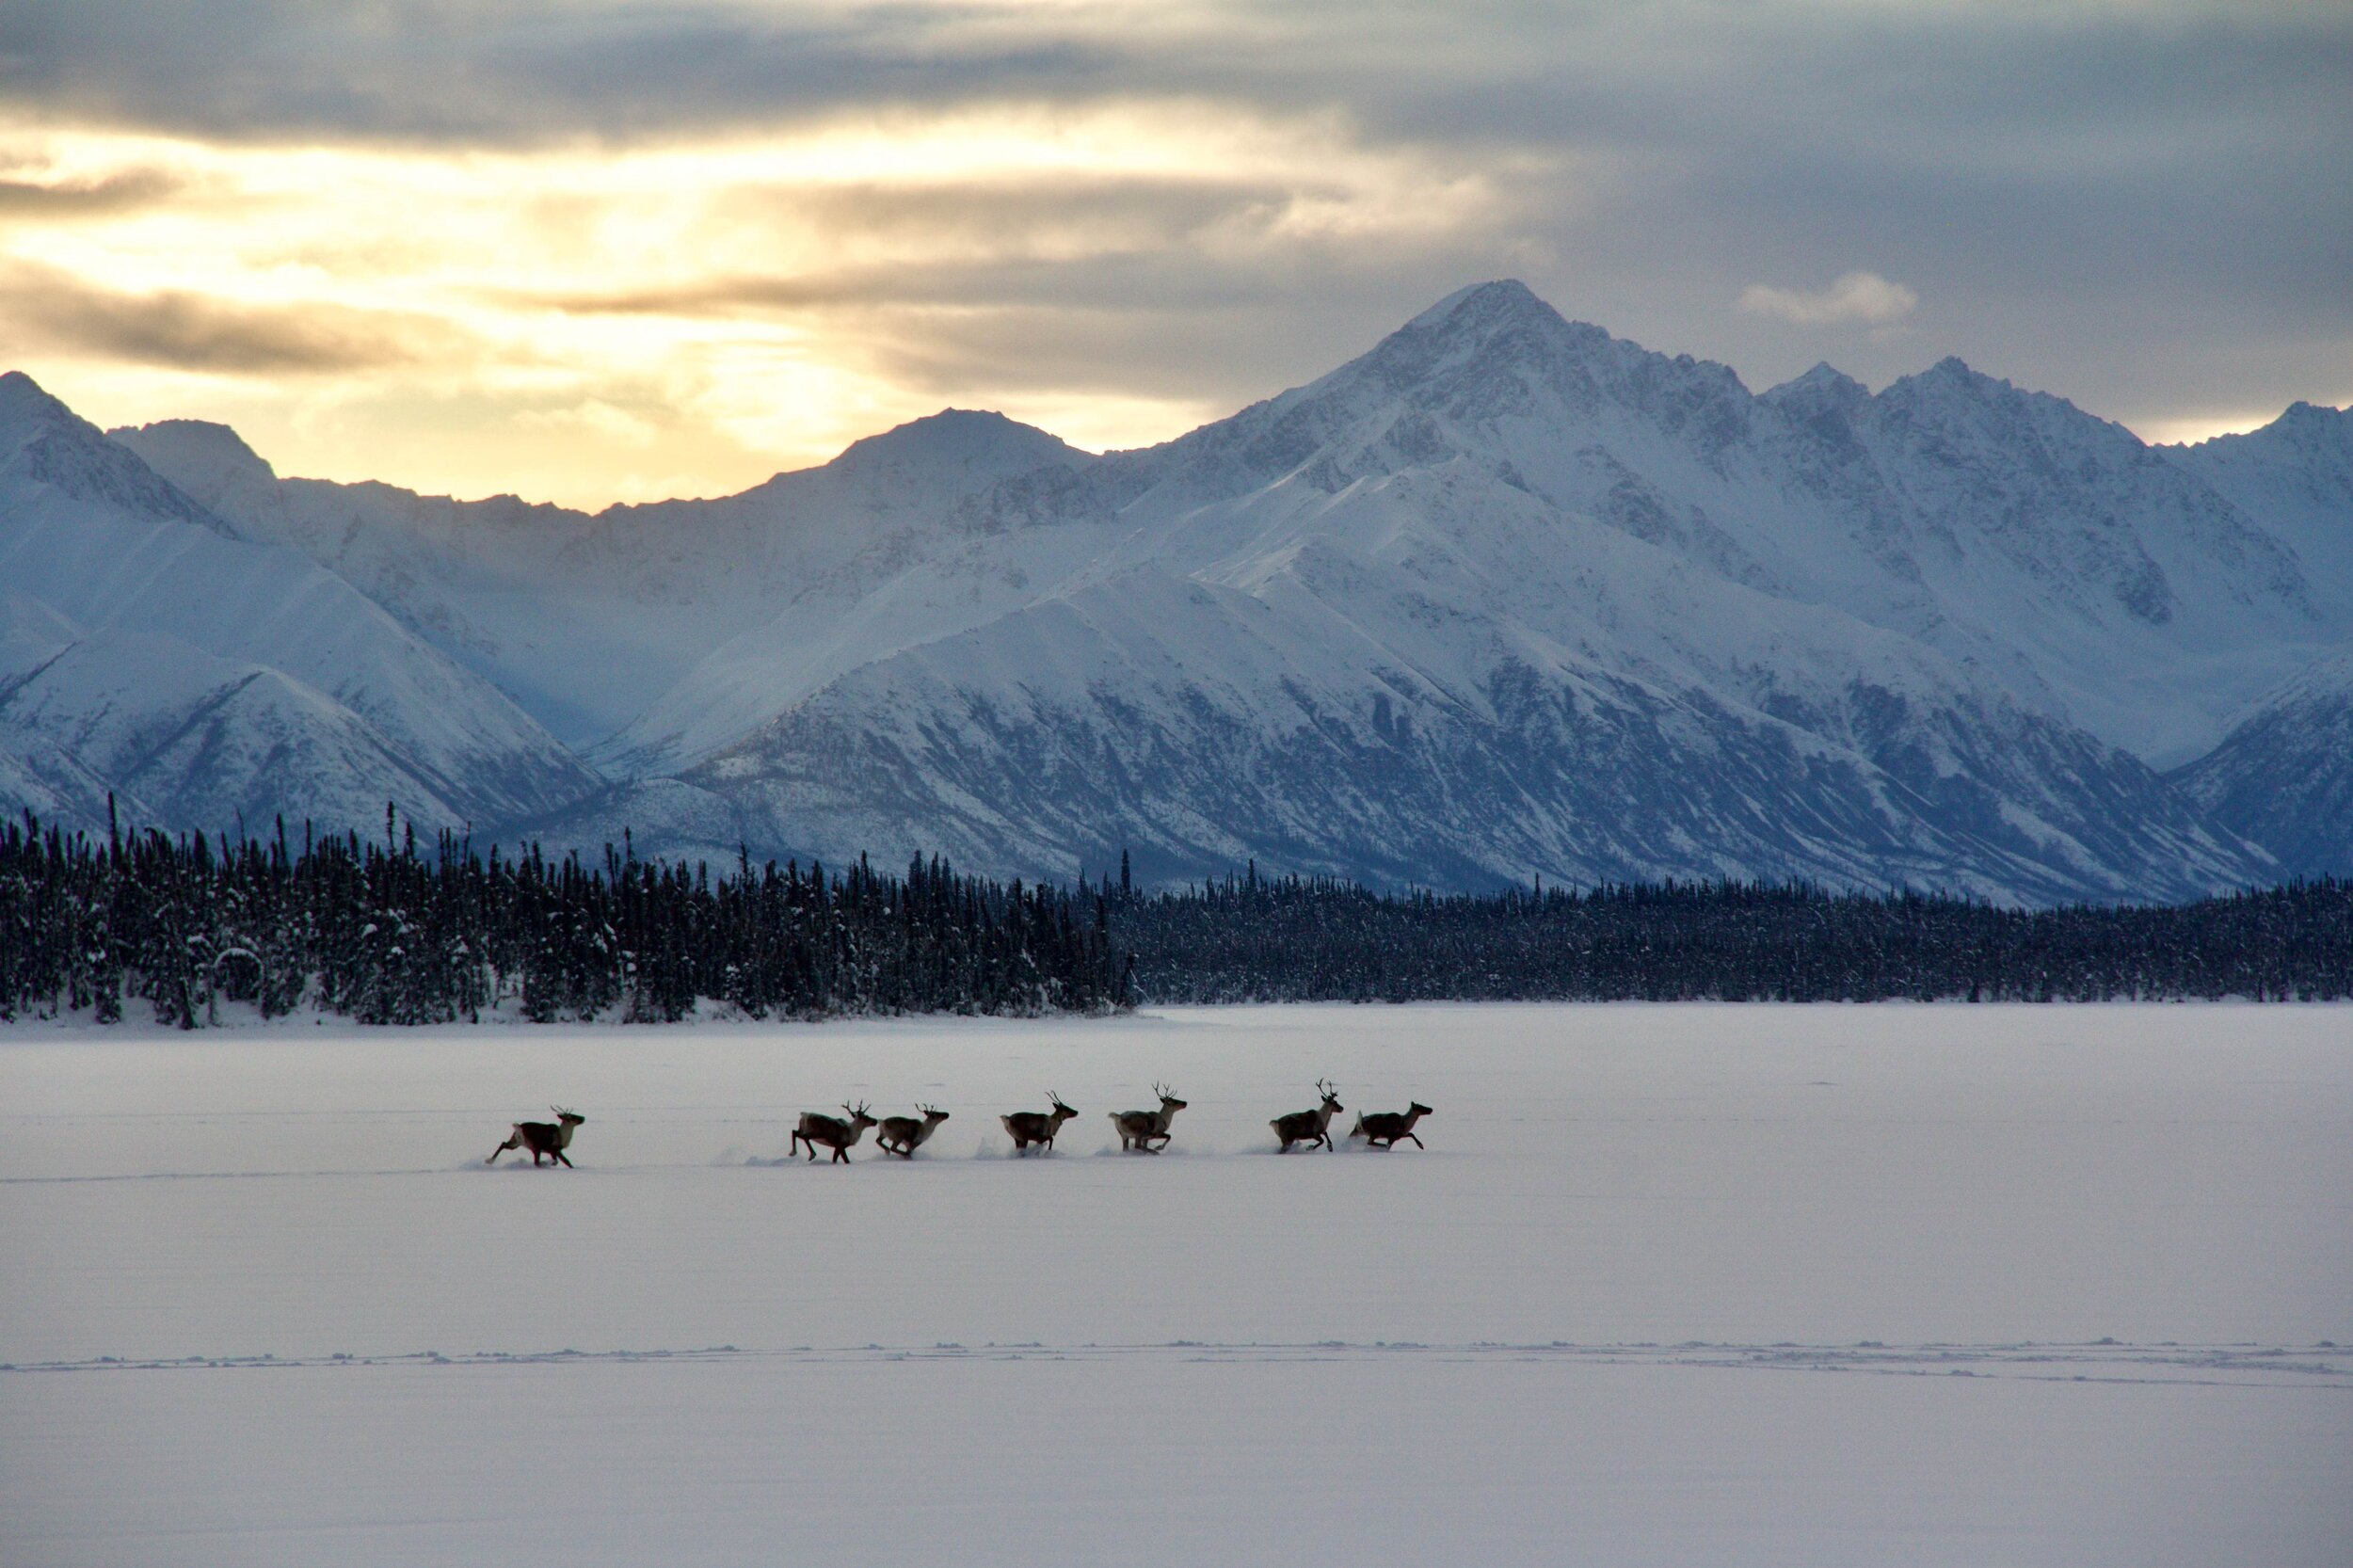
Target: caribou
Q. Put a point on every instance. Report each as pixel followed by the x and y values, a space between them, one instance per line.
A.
pixel 1309 1127
pixel 832 1132
pixel 1382 1128
pixel 903 1135
pixel 1038 1127
pixel 542 1138
pixel 1140 1130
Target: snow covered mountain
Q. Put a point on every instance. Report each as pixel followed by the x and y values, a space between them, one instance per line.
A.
pixel 2009 530
pixel 1453 613
pixel 1504 596
pixel 2295 475
pixel 2096 578
pixel 1197 723
pixel 145 650
pixel 2283 776
pixel 586 619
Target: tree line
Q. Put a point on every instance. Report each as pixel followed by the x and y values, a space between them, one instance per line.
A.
pixel 1252 938
pixel 382 934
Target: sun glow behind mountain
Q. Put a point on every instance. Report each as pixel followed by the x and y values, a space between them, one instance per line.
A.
pixel 584 323
pixel 599 249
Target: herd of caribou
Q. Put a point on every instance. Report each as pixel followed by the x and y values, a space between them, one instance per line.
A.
pixel 1139 1131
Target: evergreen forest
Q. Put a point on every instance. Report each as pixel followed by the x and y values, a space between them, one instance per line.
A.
pixel 1287 939
pixel 383 932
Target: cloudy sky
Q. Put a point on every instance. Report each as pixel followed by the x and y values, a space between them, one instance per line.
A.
pixel 610 249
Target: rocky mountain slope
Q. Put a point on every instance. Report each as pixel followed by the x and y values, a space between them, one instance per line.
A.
pixel 1504 596
pixel 2284 777
pixel 147 649
pixel 1457 583
pixel 586 620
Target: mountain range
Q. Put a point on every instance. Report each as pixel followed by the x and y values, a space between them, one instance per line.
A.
pixel 1504 597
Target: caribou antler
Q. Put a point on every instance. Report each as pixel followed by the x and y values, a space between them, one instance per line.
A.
pixel 836 1135
pixel 1143 1130
pixel 1031 1126
pixel 1311 1127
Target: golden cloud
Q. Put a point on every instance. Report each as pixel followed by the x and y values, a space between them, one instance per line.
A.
pixel 113 193
pixel 781 293
pixel 47 308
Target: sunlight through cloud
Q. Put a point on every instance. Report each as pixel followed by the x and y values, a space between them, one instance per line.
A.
pixel 733 305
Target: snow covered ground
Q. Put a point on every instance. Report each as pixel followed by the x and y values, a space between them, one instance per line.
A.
pixel 1672 1285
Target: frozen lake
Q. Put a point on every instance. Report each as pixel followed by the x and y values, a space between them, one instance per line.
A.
pixel 1672 1285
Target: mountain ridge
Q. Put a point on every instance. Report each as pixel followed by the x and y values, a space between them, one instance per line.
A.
pixel 1526 598
pixel 206 679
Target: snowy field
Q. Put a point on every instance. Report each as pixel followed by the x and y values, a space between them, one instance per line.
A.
pixel 1672 1285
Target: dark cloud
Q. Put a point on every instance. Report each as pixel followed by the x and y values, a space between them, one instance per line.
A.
pixel 1102 213
pixel 65 199
pixel 1140 347
pixel 1169 319
pixel 511 72
pixel 2145 206
pixel 2155 216
pixel 1129 282
pixel 1074 242
pixel 42 308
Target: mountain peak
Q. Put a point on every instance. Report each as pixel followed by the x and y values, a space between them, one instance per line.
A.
pixel 1485 356
pixel 22 399
pixel 1953 368
pixel 1824 374
pixel 2313 419
pixel 2313 431
pixel 1824 384
pixel 43 441
pixel 1481 304
pixel 1951 381
pixel 199 455
pixel 1475 320
pixel 960 439
pixel 947 453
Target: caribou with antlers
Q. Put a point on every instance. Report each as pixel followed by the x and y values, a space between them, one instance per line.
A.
pixel 903 1135
pixel 832 1132
pixel 1038 1127
pixel 542 1138
pixel 1309 1127
pixel 1382 1128
pixel 1140 1130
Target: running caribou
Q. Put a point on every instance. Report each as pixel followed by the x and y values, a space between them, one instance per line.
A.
pixel 831 1132
pixel 1140 1130
pixel 542 1137
pixel 903 1135
pixel 1382 1128
pixel 1038 1127
pixel 1309 1127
